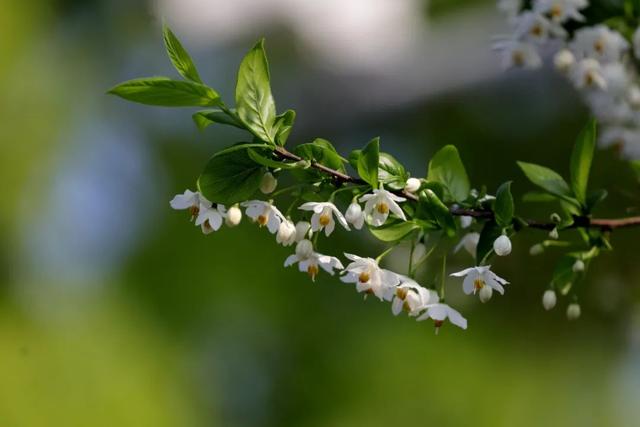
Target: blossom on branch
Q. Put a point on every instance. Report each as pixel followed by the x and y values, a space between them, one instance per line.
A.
pixel 322 217
pixel 379 204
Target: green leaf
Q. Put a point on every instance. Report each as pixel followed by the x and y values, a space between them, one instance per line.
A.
pixel 165 92
pixel 581 159
pixel 391 172
pixel 230 177
pixel 446 168
pixel 254 101
pixel 321 151
pixel 264 160
pixel 353 158
pixel 179 56
pixel 393 231
pixel 538 197
pixel 430 204
pixel 284 125
pixel 635 166
pixel 205 118
pixel 503 207
pixel 548 180
pixel 368 162
pixel 490 232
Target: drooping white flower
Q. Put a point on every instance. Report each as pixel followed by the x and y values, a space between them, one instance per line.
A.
pixel 469 242
pixel 322 217
pixel 536 27
pixel 210 218
pixel 412 185
pixel 264 213
pixel 268 184
pixel 369 277
pixel 587 74
pixel 411 297
pixel 578 266
pixel 234 216
pixel 561 10
pixel 354 215
pixel 563 60
pixel 189 200
pixel 439 312
pixel 573 311
pixel 517 53
pixel 502 245
pixel 379 204
pixel 600 43
pixel 475 278
pixel 304 249
pixel 302 229
pixel 312 262
pixel 286 234
pixel 549 299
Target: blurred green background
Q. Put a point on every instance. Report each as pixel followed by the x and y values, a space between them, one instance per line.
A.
pixel 116 311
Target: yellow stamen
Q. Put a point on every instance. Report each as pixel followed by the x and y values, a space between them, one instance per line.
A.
pixel 401 293
pixel 324 220
pixel 207 225
pixel 555 11
pixel 262 220
pixel 478 284
pixel 363 277
pixel 598 46
pixel 518 58
pixel 313 271
pixel 194 211
pixel 536 30
pixel 382 208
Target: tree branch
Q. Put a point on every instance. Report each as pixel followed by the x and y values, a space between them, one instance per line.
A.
pixel 579 221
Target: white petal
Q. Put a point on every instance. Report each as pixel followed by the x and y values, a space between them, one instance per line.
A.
pixel 291 259
pixel 468 285
pixel 463 272
pixel 396 306
pixel 456 318
pixel 309 206
pixel 328 229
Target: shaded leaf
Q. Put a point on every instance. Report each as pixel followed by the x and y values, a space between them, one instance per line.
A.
pixel 230 177
pixel 163 91
pixel 446 168
pixel 581 159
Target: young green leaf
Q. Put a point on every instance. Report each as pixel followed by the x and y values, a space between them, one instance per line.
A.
pixel 446 168
pixel 393 231
pixel 230 177
pixel 368 162
pixel 263 158
pixel 165 92
pixel 503 207
pixel 490 232
pixel 205 118
pixel 179 56
pixel 432 206
pixel 581 158
pixel 284 125
pixel 254 101
pixel 321 151
pixel 391 172
pixel 548 180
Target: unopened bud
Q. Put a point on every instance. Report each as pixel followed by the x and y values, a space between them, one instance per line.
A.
pixel 564 60
pixel 234 216
pixel 286 234
pixel 412 185
pixel 502 245
pixel 578 266
pixel 302 228
pixel 485 294
pixel 536 249
pixel 354 215
pixel 549 299
pixel 268 183
pixel 553 234
pixel 573 311
pixel 465 221
pixel 304 249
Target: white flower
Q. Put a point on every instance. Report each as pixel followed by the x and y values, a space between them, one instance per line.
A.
pixel 478 277
pixel 412 298
pixel 378 205
pixel 563 60
pixel 354 215
pixel 286 234
pixel 549 299
pixel 234 216
pixel 535 27
pixel 469 242
pixel 412 185
pixel 485 294
pixel 633 97
pixel 312 263
pixel 302 228
pixel 561 10
pixel 573 311
pixel 578 266
pixel 465 221
pixel 369 277
pixel 439 312
pixel 599 42
pixel 304 249
pixel 209 218
pixel 517 53
pixel 268 183
pixel 502 245
pixel 264 213
pixel 587 74
pixel 189 200
pixel 322 217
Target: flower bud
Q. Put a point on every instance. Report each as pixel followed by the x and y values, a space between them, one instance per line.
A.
pixel 549 299
pixel 286 234
pixel 573 311
pixel 354 215
pixel 556 218
pixel 578 266
pixel 302 228
pixel 465 221
pixel 234 216
pixel 564 60
pixel 419 250
pixel 536 249
pixel 485 293
pixel 553 234
pixel 304 249
pixel 502 245
pixel 412 185
pixel 268 183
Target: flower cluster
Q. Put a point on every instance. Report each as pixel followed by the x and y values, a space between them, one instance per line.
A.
pixel 600 61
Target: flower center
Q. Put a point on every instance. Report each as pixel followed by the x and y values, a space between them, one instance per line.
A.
pixel 207 225
pixel 324 220
pixel 536 30
pixel 438 323
pixel 598 46
pixel 478 284
pixel 363 277
pixel 401 293
pixel 194 211
pixel 264 218
pixel 313 271
pixel 589 79
pixel 382 208
pixel 518 57
pixel 555 11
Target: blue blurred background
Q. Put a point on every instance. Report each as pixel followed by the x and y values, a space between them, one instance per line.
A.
pixel 116 311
